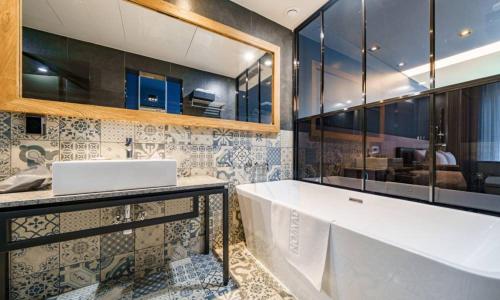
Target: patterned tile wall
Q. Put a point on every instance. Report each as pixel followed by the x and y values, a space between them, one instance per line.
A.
pixel 240 157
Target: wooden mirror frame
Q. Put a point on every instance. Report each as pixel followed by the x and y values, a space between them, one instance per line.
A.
pixel 11 86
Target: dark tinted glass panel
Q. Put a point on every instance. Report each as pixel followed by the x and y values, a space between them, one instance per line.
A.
pixel 397 37
pixel 309 149
pixel 253 93
pixel 242 97
pixel 310 69
pixel 468 147
pixel 266 89
pixel 343 56
pixel 467 40
pixel 343 149
pixel 398 161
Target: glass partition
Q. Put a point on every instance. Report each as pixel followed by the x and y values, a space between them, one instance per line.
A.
pixel 343 55
pixel 397 41
pixel 467 40
pixel 310 69
pixel 309 150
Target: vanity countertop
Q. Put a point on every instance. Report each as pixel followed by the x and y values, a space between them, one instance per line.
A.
pixel 46 196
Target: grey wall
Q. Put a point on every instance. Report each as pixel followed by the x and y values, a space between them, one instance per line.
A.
pixel 231 14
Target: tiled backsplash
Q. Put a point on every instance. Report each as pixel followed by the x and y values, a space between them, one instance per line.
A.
pixel 240 157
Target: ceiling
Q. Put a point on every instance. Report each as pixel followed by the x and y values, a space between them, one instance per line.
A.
pixel 276 10
pixel 132 28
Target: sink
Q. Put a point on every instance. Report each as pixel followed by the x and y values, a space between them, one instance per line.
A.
pixel 90 176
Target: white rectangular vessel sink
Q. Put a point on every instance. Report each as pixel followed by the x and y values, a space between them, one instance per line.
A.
pixel 90 176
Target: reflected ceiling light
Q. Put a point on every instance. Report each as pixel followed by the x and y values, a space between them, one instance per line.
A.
pixel 292 12
pixel 466 32
pixel 401 64
pixel 248 56
pixel 345 108
pixel 374 48
pixel 348 102
pixel 43 69
pixel 455 59
pixel 339 105
pixel 268 62
pixel 422 83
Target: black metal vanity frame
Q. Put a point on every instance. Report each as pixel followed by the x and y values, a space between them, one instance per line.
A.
pixel 8 213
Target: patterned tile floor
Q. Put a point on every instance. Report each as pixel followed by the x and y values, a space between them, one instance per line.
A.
pixel 196 277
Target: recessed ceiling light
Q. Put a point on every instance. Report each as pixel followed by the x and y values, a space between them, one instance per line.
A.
pixel 248 56
pixel 268 62
pixel 401 64
pixel 43 69
pixel 292 12
pixel 465 33
pixel 374 48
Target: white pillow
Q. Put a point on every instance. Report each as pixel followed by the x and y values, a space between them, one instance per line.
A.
pixel 450 158
pixel 441 158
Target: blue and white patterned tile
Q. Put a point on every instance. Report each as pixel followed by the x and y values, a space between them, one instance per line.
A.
pixel 147 260
pixel 84 293
pixel 286 171
pixel 117 266
pixel 79 130
pixel 34 260
pixel 177 250
pixel 223 138
pixel 178 135
pixel 73 150
pixel 79 250
pixel 182 154
pixel 274 156
pixel 202 136
pixel 286 137
pixel 35 286
pixel 152 286
pixel 24 228
pixel 113 151
pixel 183 281
pixel 5 126
pixel 27 154
pixel 258 139
pixel 273 140
pixel 18 122
pixel 116 131
pixel 149 133
pixel 209 270
pixel 242 138
pixel 149 151
pixel 286 156
pixel 116 243
pixel 79 275
pixel 223 157
pixel 120 288
pixel 242 157
pixel 202 160
pixel 274 173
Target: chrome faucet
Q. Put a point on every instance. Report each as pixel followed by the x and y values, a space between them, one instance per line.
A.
pixel 130 148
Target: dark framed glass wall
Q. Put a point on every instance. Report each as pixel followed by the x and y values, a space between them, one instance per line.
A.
pixel 407 103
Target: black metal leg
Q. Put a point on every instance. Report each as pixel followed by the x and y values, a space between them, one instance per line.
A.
pixel 225 236
pixel 207 223
pixel 4 275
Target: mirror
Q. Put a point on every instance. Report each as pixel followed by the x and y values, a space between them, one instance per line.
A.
pixel 115 53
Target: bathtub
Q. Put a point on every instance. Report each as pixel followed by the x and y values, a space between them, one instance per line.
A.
pixel 379 247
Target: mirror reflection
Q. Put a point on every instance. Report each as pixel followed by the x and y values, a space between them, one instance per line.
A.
pixel 118 54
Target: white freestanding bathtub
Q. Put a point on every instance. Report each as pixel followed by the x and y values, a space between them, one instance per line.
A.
pixel 382 248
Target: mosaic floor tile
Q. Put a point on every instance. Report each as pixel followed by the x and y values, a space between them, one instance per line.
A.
pixel 84 293
pixel 116 131
pixel 117 266
pixel 79 275
pixel 19 128
pixel 178 206
pixel 177 250
pixel 149 236
pixel 113 151
pixel 80 150
pixel 116 243
pixel 183 280
pixel 148 259
pixel 80 130
pixel 152 286
pixel 121 288
pixel 32 227
pixel 27 154
pixel 34 260
pixel 149 151
pixel 80 220
pixel 80 250
pixel 35 286
pixel 149 210
pixel 209 270
pixel 149 133
pixel 177 231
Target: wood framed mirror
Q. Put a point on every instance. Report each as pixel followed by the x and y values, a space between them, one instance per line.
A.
pixel 135 60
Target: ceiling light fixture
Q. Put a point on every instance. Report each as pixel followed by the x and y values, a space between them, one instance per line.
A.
pixel 465 32
pixel 401 64
pixel 43 69
pixel 292 12
pixel 374 48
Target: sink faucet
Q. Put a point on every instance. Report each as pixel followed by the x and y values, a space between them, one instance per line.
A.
pixel 130 148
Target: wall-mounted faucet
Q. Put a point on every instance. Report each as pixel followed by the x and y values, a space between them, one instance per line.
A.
pixel 130 148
